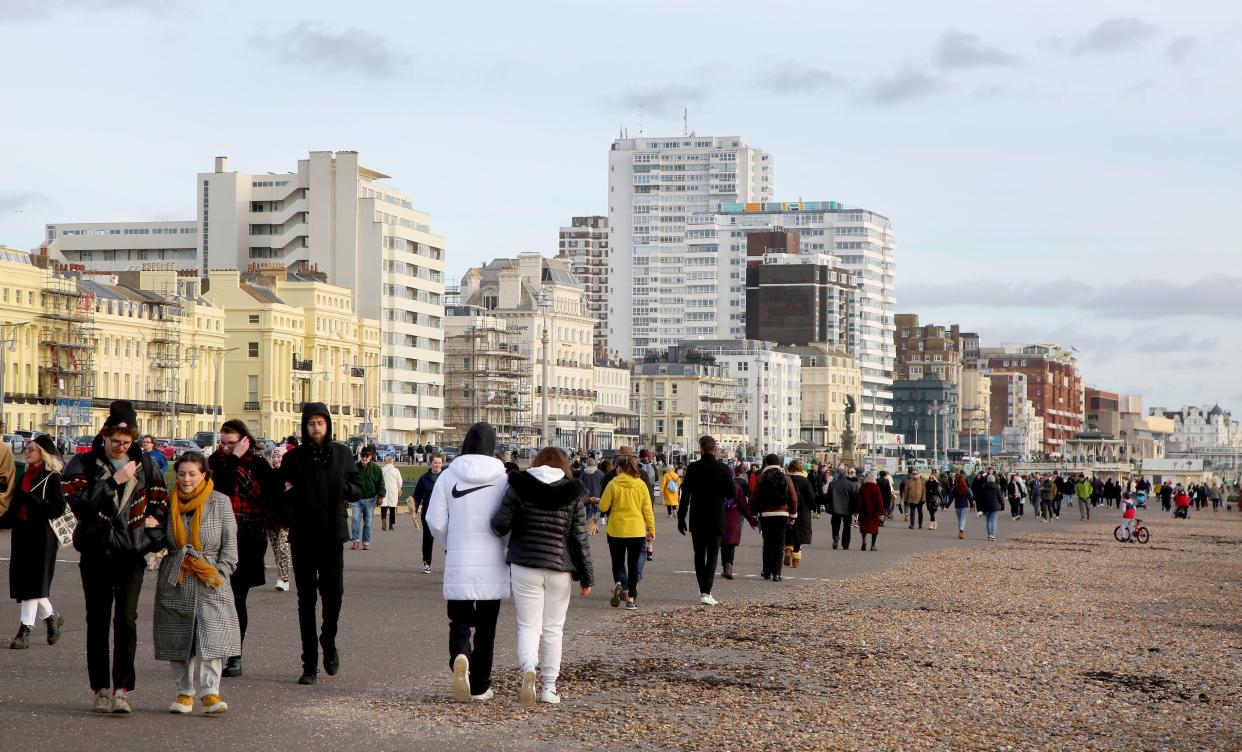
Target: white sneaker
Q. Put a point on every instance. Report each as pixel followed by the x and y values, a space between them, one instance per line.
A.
pixel 489 694
pixel 461 678
pixel 282 586
pixel 550 696
pixel 426 569
pixel 528 688
pixel 707 600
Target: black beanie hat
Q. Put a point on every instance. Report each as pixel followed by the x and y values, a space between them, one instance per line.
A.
pixel 121 413
pixel 47 446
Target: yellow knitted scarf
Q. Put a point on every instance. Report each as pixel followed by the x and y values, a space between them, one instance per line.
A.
pixel 193 505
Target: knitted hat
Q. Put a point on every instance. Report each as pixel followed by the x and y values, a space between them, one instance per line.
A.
pixel 121 414
pixel 47 446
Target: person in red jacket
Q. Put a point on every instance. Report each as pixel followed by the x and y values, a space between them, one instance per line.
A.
pixel 870 510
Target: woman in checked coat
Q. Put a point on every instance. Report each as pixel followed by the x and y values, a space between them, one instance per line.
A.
pixel 196 625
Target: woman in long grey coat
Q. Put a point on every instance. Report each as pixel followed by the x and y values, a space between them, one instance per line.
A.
pixel 196 626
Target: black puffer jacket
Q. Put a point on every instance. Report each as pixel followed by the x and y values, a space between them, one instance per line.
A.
pixel 546 525
pixel 323 480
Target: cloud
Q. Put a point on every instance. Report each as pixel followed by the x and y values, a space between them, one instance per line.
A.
pixel 1180 50
pixel 352 50
pixel 789 76
pixel 958 49
pixel 1214 297
pixel 15 202
pixel 658 100
pixel 32 10
pixel 906 84
pixel 1110 36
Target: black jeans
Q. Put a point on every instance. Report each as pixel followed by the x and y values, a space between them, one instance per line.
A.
pixel 111 584
pixel 240 591
pixel 625 553
pixel 479 617
pixel 931 513
pixel 841 529
pixel 911 508
pixel 318 568
pixel 706 554
pixel 428 538
pixel 726 553
pixel 773 529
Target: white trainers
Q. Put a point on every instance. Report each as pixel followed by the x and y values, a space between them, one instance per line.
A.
pixel 489 694
pixel 528 687
pixel 103 702
pixel 550 696
pixel 707 600
pixel 426 569
pixel 461 678
pixel 282 586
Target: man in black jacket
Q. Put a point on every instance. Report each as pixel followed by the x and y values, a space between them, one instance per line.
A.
pixel 321 480
pixel 703 493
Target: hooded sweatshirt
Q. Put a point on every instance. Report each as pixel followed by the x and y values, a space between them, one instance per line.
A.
pixel 627 502
pixel 542 513
pixel 323 480
pixel 459 515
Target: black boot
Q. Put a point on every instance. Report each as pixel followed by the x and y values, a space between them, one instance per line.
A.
pixel 22 640
pixel 232 667
pixel 54 623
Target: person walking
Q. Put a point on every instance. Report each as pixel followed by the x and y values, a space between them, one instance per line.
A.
pixel 593 484
pixel 157 457
pixel 913 494
pixel 37 500
pixel 363 509
pixel 422 497
pixel 1013 490
pixel 627 502
pixel 842 503
pixel 670 489
pixel 933 490
pixel 798 534
pixel 870 510
pixel 543 514
pixel 196 625
pixel 963 503
pixel 1048 496
pixel 775 501
pixel 886 491
pixel 990 501
pixel 1066 495
pixel 121 503
pixel 278 534
pixel 1083 490
pixel 476 577
pixel 392 493
pixel 735 509
pixel 251 485
pixel 707 486
pixel 320 481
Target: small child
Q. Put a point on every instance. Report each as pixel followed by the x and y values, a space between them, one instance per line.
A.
pixel 1127 515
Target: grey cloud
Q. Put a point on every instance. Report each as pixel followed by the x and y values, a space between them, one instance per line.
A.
pixel 352 50
pixel 32 10
pixel 658 100
pixel 1110 36
pixel 1180 50
pixel 906 84
pixel 17 201
pixel 789 76
pixel 1214 297
pixel 959 49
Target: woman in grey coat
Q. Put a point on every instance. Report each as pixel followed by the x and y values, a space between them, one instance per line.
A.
pixel 196 626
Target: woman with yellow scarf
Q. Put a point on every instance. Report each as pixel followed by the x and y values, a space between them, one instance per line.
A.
pixel 196 626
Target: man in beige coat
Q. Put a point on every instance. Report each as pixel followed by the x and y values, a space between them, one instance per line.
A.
pixel 913 494
pixel 8 476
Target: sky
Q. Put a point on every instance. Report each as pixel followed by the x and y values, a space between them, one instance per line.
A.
pixel 1056 171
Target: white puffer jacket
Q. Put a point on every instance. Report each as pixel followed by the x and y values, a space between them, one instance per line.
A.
pixel 459 515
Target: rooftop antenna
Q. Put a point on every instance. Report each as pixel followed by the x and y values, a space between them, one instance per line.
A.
pixel 641 109
pixel 685 121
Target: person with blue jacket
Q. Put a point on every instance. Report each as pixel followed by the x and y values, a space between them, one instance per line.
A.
pixel 422 495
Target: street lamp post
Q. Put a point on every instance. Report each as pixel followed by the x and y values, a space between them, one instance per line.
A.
pixel 215 429
pixel 545 304
pixel 916 438
pixel 944 418
pixel 8 344
pixel 934 410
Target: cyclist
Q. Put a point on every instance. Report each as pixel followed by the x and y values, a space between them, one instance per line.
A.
pixel 1127 517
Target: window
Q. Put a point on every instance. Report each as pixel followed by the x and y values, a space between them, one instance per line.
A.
pixel 252 349
pixel 252 388
pixel 254 318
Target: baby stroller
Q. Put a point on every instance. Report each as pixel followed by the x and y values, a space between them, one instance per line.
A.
pixel 1140 500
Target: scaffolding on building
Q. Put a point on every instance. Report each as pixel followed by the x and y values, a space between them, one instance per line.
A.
pixel 166 357
pixel 67 339
pixel 487 378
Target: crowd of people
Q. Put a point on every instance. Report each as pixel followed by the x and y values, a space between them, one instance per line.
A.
pixel 505 532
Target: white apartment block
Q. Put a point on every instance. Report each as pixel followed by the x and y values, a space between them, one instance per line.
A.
pixel 862 242
pixel 332 215
pixel 1199 427
pixel 585 244
pixel 654 186
pixel 1023 430
pixel 770 386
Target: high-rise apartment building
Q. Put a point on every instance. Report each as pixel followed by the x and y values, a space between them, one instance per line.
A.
pixel 331 215
pixel 930 352
pixel 585 244
pixel 794 298
pixel 1054 387
pixel 661 291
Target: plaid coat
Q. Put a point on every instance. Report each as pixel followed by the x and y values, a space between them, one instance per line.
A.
pixel 191 618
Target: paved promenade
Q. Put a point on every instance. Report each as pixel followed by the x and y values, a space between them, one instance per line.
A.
pixel 1059 639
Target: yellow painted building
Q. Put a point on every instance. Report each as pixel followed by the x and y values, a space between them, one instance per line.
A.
pixel 293 338
pixel 829 376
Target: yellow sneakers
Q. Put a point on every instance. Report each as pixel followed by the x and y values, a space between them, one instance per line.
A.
pixel 183 704
pixel 212 704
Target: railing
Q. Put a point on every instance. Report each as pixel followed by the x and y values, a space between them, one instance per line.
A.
pixel 251 406
pixel 303 365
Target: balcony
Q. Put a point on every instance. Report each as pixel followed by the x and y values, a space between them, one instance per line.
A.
pixel 303 365
pixel 251 407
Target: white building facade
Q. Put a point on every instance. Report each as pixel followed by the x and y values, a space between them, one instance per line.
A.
pixel 659 293
pixel 770 387
pixel 124 246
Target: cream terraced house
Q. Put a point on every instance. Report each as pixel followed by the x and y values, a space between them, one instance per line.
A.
pixel 829 375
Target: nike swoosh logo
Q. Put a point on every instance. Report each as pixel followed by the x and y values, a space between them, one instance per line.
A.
pixel 458 494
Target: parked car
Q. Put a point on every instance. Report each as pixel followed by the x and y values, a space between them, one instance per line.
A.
pixel 83 444
pixel 16 442
pixel 181 446
pixel 384 451
pixel 205 439
pixel 165 446
pixel 450 453
pixel 264 447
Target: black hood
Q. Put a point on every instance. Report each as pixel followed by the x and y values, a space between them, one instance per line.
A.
pixel 316 408
pixel 546 495
pixel 480 439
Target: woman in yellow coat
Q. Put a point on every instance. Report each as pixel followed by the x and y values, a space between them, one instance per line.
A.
pixel 670 489
pixel 627 502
